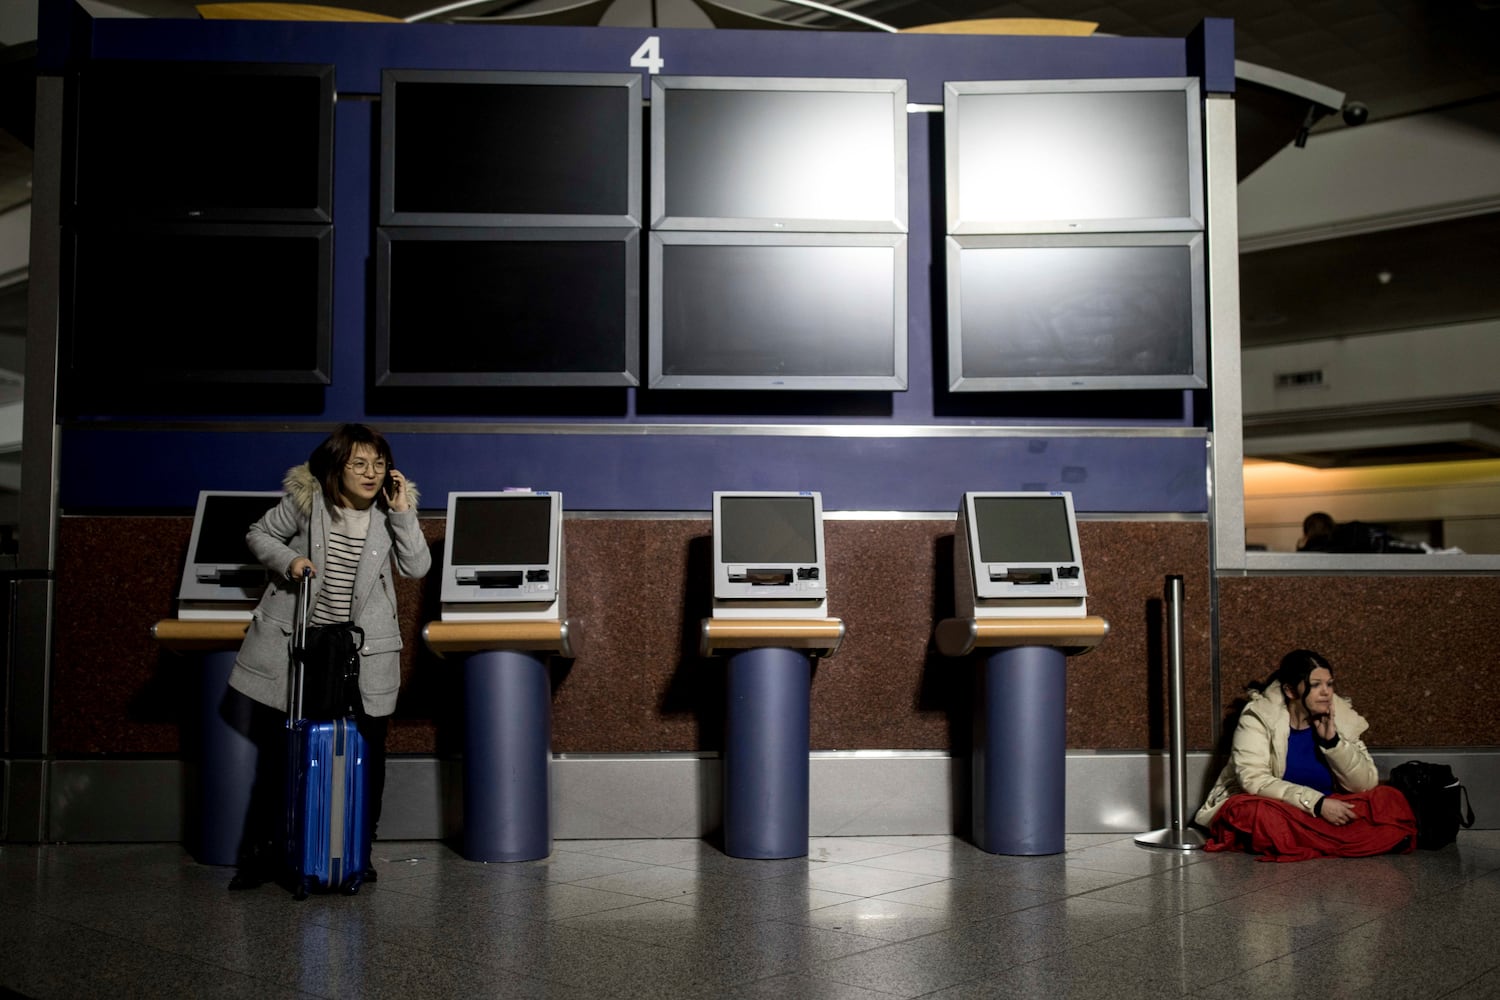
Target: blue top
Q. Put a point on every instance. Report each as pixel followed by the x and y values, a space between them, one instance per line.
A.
pixel 1304 765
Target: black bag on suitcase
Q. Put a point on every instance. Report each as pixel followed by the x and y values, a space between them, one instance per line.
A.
pixel 330 670
pixel 1439 800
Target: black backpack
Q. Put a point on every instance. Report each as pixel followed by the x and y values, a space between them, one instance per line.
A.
pixel 1439 800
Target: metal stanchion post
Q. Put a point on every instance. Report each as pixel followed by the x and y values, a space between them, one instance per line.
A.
pixel 1179 836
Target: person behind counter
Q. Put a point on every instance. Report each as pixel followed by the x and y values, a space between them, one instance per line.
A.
pixel 1321 533
pixel 346 514
pixel 1299 783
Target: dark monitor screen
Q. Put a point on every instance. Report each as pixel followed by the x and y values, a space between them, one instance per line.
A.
pixel 777 312
pixel 202 303
pixel 507 307
pixel 224 141
pixel 226 519
pixel 1023 529
pixel 784 154
pixel 486 148
pixel 1073 155
pixel 222 577
pixel 1033 313
pixel 767 530
pixel 503 555
pixel 500 531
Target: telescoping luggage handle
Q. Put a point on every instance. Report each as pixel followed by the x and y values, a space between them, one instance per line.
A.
pixel 299 646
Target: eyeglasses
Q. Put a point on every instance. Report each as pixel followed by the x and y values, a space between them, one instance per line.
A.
pixel 363 466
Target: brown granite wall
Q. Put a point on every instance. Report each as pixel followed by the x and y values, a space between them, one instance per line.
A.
pixel 638 588
pixel 1417 655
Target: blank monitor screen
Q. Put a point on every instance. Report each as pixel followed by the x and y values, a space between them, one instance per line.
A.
pixel 769 546
pixel 1033 313
pixel 220 566
pixel 1023 530
pixel 486 148
pixel 225 141
pixel 777 312
pixel 226 520
pixel 203 303
pixel 767 529
pixel 1073 155
pixel 1020 546
pixel 514 307
pixel 503 550
pixel 774 153
pixel 490 531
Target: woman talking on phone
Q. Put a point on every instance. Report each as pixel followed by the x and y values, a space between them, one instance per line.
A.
pixel 1299 783
pixel 346 514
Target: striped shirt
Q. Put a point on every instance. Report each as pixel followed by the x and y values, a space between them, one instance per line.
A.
pixel 346 540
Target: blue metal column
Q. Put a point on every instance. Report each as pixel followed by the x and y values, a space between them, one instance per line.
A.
pixel 1019 751
pixel 766 754
pixel 227 764
pixel 507 750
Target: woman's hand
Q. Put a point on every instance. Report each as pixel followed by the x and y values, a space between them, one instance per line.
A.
pixel 294 571
pixel 1323 726
pixel 1337 811
pixel 395 494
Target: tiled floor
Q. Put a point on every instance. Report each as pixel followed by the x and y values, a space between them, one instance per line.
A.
pixel 859 919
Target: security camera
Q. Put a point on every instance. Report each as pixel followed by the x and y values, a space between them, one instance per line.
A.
pixel 1356 113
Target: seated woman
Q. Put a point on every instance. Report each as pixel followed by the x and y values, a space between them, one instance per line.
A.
pixel 1299 783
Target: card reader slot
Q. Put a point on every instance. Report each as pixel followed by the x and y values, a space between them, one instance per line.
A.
pixel 1022 577
pixel 762 577
pixel 244 579
pixel 499 579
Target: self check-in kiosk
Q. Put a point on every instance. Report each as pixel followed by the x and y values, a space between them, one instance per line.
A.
pixel 504 611
pixel 1016 555
pixel 503 557
pixel 770 619
pixel 1020 596
pixel 222 580
pixel 768 555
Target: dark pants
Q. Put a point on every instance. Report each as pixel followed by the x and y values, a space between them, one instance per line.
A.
pixel 265 833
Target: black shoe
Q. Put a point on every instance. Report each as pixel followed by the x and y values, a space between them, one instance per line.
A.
pixel 370 874
pixel 248 877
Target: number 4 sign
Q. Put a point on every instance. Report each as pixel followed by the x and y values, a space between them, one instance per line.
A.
pixel 648 56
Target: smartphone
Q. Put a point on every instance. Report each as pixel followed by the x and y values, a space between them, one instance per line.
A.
pixel 388 487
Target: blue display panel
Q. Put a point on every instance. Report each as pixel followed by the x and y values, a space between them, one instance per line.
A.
pixel 662 471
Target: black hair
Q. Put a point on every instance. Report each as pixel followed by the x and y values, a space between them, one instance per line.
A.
pixel 328 459
pixel 1296 667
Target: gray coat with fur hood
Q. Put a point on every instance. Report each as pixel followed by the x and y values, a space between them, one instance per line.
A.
pixel 299 526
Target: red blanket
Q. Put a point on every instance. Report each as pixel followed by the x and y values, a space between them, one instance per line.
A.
pixel 1277 831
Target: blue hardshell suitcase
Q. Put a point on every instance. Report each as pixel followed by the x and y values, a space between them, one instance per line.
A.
pixel 328 828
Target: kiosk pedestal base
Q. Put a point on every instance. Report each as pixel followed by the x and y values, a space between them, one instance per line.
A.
pixel 1019 752
pixel 766 745
pixel 507 750
pixel 226 765
pixel 1020 724
pixel 227 756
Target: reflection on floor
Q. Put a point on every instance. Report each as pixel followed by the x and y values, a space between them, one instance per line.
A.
pixel 859 919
